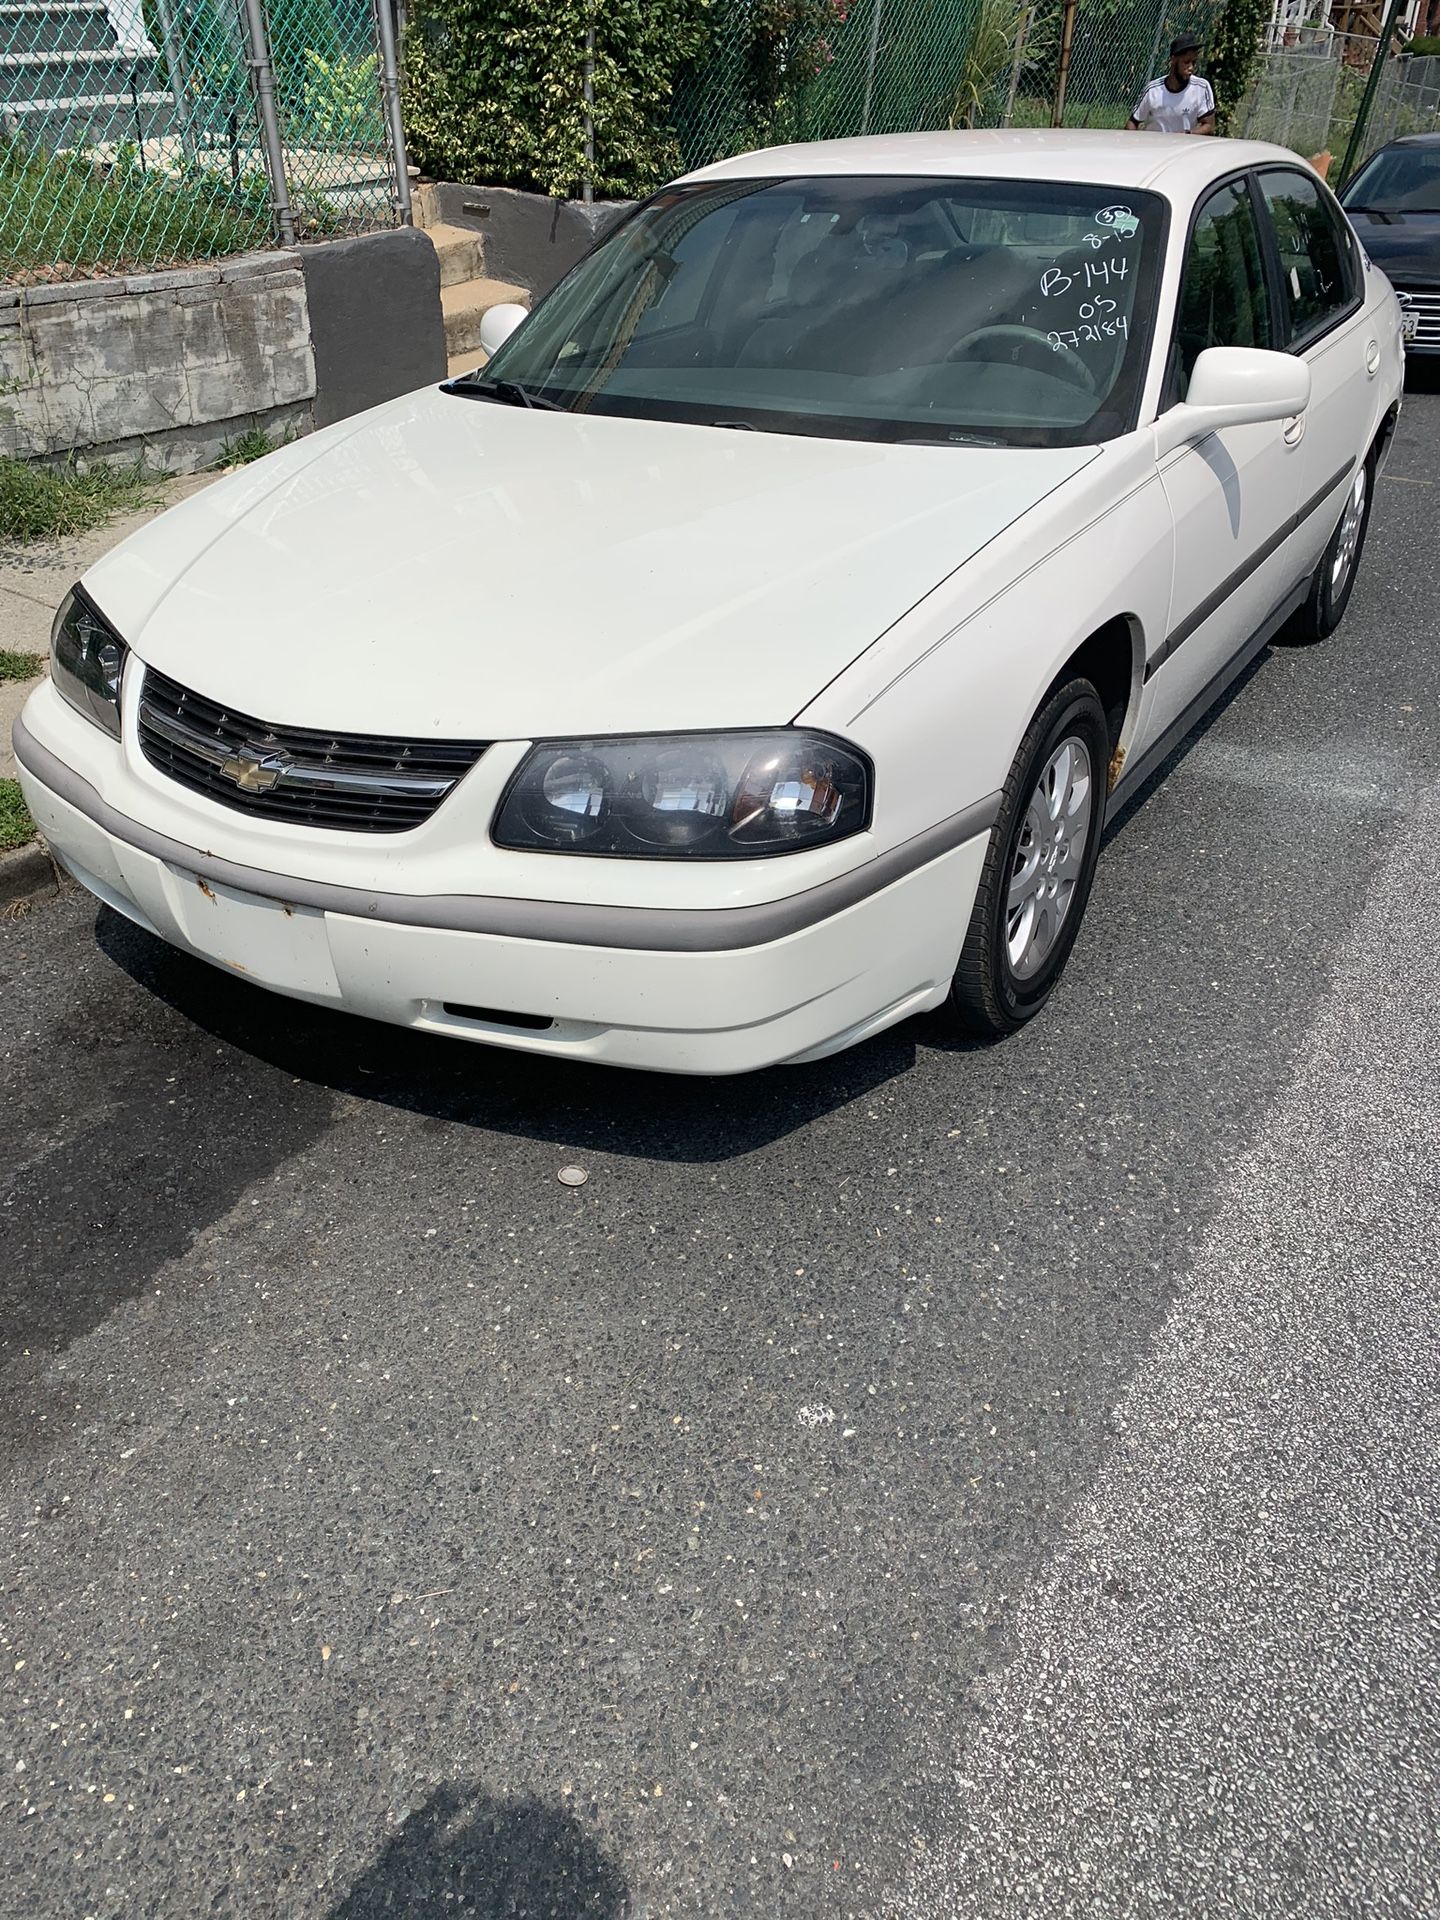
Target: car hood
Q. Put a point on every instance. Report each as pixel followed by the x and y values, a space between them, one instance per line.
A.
pixel 1405 246
pixel 449 567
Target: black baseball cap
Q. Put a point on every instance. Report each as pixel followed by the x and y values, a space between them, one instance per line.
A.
pixel 1185 43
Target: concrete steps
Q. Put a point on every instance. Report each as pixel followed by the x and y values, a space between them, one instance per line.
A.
pixel 68 26
pixel 461 253
pixel 466 292
pixel 466 304
pixel 66 83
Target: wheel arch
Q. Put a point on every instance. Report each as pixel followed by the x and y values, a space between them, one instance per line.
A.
pixel 1112 658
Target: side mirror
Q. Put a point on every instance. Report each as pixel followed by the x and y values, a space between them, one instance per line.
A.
pixel 1235 387
pixel 498 324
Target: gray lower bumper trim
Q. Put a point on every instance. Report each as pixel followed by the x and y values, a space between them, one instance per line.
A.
pixel 642 929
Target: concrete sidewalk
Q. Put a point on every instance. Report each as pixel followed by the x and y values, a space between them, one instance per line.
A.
pixel 34 580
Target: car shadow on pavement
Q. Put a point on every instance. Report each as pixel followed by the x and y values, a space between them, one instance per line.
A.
pixel 465 1853
pixel 645 1116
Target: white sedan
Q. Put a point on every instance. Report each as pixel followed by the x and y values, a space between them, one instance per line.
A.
pixel 749 656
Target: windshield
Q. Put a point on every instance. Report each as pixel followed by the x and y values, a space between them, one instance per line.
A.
pixel 1399 180
pixel 1010 312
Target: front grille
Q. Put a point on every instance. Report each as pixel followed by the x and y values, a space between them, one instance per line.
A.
pixel 356 782
pixel 1424 301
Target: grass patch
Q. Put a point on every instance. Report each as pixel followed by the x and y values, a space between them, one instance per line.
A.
pixel 42 503
pixel 20 666
pixel 17 829
pixel 63 217
pixel 253 444
pixel 61 213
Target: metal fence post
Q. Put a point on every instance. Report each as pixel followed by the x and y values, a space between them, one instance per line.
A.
pixel 1062 80
pixel 1367 99
pixel 179 79
pixel 262 75
pixel 587 185
pixel 390 88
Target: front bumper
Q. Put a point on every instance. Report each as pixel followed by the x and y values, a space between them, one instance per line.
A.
pixel 682 991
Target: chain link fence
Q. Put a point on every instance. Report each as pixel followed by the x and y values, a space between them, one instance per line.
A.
pixel 133 133
pixel 888 66
pixel 1308 91
pixel 136 133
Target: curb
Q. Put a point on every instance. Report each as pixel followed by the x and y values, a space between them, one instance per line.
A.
pixel 27 874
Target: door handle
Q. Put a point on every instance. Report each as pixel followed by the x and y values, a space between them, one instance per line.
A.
pixel 1295 430
pixel 1372 357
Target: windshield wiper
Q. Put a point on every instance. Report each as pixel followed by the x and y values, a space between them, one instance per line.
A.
pixel 951 437
pixel 1375 213
pixel 509 393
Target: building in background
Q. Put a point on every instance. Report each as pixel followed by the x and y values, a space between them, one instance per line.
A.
pixel 1295 21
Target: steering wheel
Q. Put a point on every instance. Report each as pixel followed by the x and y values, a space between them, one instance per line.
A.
pixel 1032 339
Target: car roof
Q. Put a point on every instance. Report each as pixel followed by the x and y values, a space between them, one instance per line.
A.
pixel 1174 165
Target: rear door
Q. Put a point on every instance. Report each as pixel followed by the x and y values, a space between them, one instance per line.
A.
pixel 1318 288
pixel 1232 494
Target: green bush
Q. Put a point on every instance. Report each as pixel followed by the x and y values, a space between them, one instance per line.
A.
pixel 495 93
pixel 340 103
pixel 1426 47
pixel 1232 53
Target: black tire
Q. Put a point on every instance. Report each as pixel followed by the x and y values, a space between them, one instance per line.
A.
pixel 988 995
pixel 1327 600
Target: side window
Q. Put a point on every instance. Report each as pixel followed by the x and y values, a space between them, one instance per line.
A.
pixel 1317 262
pixel 1223 297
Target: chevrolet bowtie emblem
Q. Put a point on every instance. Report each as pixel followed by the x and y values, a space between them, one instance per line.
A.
pixel 254 770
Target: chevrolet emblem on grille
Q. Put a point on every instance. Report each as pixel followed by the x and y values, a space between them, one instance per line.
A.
pixel 256 770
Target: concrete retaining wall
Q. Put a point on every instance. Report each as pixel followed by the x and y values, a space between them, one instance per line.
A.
pixel 375 320
pixel 169 367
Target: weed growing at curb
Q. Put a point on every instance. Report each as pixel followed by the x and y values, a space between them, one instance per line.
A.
pixel 20 666
pixel 42 503
pixel 253 444
pixel 17 829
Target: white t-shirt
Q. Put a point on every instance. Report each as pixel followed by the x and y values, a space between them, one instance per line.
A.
pixel 1168 112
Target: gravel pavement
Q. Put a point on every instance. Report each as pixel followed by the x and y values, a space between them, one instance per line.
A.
pixel 938 1481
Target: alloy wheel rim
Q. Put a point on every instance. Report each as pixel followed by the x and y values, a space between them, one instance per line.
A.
pixel 1347 544
pixel 1049 857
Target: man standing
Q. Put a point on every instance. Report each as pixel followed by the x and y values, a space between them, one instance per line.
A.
pixel 1179 101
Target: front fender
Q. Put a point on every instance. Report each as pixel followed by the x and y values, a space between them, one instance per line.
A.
pixel 943 701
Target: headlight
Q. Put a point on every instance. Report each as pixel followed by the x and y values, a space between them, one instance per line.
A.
pixel 695 796
pixel 87 660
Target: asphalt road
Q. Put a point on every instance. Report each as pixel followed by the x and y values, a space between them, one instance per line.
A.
pixel 937 1482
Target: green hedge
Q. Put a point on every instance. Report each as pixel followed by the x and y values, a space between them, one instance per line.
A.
pixel 496 92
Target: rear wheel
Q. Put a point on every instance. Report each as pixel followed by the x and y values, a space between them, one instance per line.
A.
pixel 1334 579
pixel 1039 866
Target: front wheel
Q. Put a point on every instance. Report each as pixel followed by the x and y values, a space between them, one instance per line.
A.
pixel 1039 866
pixel 1334 579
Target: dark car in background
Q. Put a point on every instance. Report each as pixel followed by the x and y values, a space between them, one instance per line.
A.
pixel 1394 205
